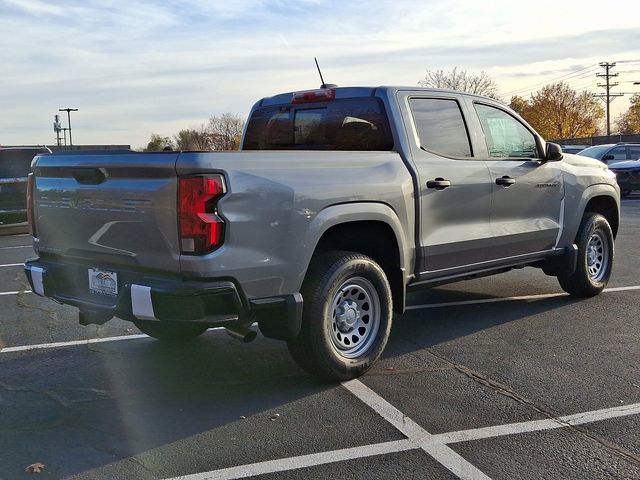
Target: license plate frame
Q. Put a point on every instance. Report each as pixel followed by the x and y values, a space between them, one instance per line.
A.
pixel 103 282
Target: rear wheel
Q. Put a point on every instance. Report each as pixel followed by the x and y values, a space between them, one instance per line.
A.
pixel 595 258
pixel 170 331
pixel 347 316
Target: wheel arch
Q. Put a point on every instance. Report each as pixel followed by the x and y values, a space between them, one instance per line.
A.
pixel 372 229
pixel 606 206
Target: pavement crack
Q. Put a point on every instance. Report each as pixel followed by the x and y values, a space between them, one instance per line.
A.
pixel 545 410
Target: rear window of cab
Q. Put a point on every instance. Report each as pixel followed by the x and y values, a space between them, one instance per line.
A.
pixel 342 124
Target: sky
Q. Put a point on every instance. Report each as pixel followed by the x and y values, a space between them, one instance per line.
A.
pixel 134 68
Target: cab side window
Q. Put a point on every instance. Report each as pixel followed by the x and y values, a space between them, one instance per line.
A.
pixel 440 126
pixel 506 137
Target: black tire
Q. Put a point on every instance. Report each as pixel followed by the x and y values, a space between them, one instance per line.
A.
pixel 342 335
pixel 173 332
pixel 595 258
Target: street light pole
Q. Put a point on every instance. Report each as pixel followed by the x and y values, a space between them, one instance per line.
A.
pixel 69 110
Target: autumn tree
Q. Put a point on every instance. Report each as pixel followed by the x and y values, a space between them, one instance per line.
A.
pixel 198 139
pixel 158 143
pixel 557 111
pixel 629 121
pixel 225 131
pixel 462 81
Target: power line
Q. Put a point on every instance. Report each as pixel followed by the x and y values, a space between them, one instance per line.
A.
pixel 565 76
pixel 608 97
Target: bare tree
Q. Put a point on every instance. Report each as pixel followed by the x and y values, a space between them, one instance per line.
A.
pixel 225 131
pixel 462 81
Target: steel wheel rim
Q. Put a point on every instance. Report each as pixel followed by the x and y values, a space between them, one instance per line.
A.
pixel 597 256
pixel 355 317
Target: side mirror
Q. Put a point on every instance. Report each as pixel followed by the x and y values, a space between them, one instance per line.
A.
pixel 553 153
pixel 608 156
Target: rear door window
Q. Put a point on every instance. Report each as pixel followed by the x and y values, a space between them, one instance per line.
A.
pixel 440 126
pixel 634 152
pixel 344 124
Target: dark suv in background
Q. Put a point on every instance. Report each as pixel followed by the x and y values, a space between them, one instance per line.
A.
pixel 15 165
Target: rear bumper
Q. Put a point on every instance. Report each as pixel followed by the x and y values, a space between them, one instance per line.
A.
pixel 214 302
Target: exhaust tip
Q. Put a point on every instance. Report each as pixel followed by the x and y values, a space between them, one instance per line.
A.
pixel 244 335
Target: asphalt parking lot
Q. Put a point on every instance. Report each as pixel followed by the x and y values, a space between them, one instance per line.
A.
pixel 501 377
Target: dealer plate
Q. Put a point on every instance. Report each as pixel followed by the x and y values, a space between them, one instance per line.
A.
pixel 103 282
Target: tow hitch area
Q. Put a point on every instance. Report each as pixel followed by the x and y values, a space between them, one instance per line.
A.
pixel 94 317
pixel 241 332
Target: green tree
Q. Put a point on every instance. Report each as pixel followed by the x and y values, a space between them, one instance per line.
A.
pixel 557 111
pixel 629 121
pixel 157 143
pixel 462 81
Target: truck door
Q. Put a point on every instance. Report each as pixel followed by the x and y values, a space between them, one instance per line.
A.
pixel 453 185
pixel 527 193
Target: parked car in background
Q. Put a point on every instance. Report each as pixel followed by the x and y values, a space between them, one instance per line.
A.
pixel 573 148
pixel 15 165
pixel 628 176
pixel 613 152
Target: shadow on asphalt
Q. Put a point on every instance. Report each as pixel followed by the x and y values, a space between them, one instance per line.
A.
pixel 90 406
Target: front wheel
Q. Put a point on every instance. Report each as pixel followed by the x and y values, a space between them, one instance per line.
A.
pixel 346 317
pixel 595 258
pixel 174 332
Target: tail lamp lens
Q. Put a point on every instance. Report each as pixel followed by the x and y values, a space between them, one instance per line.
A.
pixel 30 199
pixel 201 229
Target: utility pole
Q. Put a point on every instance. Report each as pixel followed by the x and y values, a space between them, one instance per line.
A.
pixel 608 97
pixel 69 110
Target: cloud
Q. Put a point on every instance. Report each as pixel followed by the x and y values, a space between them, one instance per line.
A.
pixel 134 67
pixel 34 7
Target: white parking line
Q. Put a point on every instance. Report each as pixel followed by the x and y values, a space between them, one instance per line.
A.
pixel 16 246
pixel 42 346
pixel 511 299
pixel 539 425
pixel 71 343
pixel 303 461
pixel 415 433
pixel 316 459
pixel 15 293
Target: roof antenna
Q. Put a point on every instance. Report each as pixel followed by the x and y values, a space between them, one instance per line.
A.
pixel 324 85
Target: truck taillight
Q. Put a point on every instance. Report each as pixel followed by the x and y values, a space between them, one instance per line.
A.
pixel 201 229
pixel 30 200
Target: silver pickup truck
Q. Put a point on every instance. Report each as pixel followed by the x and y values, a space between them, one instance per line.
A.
pixel 339 202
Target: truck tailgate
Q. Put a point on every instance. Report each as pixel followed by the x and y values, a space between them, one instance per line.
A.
pixel 108 209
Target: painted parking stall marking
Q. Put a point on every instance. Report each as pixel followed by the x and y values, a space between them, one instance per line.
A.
pixel 426 442
pixel 511 299
pixel 415 433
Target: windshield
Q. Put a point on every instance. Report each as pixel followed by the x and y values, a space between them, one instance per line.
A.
pixel 350 124
pixel 595 152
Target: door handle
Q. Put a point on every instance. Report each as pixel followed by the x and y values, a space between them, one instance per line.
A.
pixel 505 181
pixel 439 183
